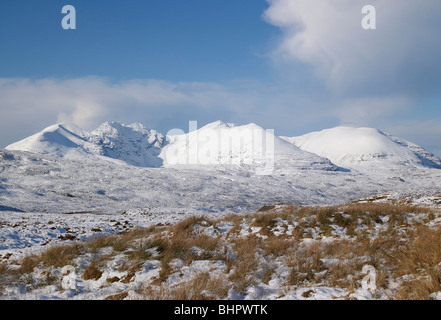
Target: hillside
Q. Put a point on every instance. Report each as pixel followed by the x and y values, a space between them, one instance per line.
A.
pixel 132 144
pixel 361 147
pixel 135 174
pixel 220 143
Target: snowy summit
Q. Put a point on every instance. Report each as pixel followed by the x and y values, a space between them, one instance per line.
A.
pixel 351 146
pixel 221 143
pixel 133 144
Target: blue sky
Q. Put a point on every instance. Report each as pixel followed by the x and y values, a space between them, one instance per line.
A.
pixel 173 40
pixel 290 65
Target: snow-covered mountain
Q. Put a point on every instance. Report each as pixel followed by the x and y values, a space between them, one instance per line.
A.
pixel 66 173
pixel 368 147
pixel 221 143
pixel 217 143
pixel 61 140
pixel 133 144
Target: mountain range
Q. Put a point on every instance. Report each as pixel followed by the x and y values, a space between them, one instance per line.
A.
pixel 67 178
pixel 221 143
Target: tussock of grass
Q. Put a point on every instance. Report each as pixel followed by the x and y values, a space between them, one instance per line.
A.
pixel 59 256
pixel 202 287
pixel 245 264
pixel 93 271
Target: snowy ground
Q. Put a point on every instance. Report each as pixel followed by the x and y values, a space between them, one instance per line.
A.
pixel 280 253
pixel 43 199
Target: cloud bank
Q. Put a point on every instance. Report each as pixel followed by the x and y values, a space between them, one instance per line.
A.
pixel 29 105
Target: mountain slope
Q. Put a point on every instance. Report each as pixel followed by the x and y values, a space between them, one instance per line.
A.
pixel 133 144
pixel 350 146
pixel 61 140
pixel 220 143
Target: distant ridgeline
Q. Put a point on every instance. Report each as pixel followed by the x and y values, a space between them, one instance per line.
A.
pixel 222 143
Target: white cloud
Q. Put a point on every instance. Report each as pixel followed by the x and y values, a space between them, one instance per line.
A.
pixel 88 101
pixel 327 34
pixel 362 111
pixel 29 105
pixel 371 76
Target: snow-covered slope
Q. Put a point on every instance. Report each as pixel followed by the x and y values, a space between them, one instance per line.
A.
pixel 220 143
pixel 133 144
pixel 427 158
pixel 68 176
pixel 358 147
pixel 61 140
pixel 217 143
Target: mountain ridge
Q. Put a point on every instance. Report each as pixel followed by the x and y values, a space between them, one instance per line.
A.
pixel 133 144
pixel 329 149
pixel 221 143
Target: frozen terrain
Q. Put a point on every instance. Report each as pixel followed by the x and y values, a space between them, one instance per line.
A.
pixel 279 252
pixel 66 182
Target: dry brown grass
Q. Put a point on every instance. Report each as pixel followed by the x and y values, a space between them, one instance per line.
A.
pixel 4 268
pixel 423 252
pixel 122 241
pixel 6 274
pixel 419 288
pixel 59 256
pixel 306 265
pixel 180 244
pixel 202 287
pixel 92 271
pixel 28 263
pixel 420 259
pixel 267 274
pixel 185 227
pixel 55 256
pixel 278 246
pixel 405 251
pixel 118 296
pixel 244 265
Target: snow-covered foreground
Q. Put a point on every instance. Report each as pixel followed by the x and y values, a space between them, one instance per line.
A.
pixel 357 251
